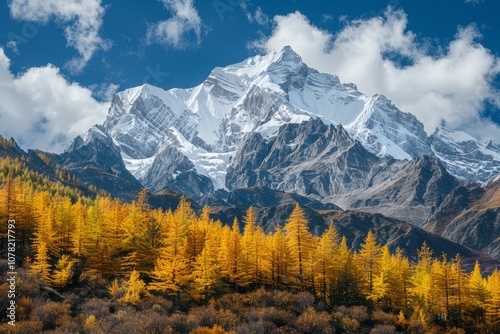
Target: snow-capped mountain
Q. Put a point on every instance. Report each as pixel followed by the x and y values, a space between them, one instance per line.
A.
pixel 188 139
pixel 464 156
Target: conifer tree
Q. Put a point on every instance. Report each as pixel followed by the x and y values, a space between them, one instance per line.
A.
pixel 277 259
pixel 95 246
pixel 175 236
pixel 63 224
pixel 63 272
pixel 458 287
pixel 300 243
pixel 78 235
pixel 478 293
pixel 150 244
pixel 171 275
pixel 231 252
pixel 493 305
pixel 41 264
pixel 402 284
pixel 252 244
pixel 422 288
pixel 135 288
pixel 442 281
pixel 195 238
pixel 369 260
pixel 207 272
pixel 326 258
pixel 348 290
pixel 383 280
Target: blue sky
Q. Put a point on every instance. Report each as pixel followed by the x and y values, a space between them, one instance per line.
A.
pixel 61 61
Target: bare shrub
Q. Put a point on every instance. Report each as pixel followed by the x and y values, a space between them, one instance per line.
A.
pixel 350 319
pixel 285 300
pixel 99 308
pixel 157 303
pixel 305 300
pixel 180 323
pixel 257 327
pixel 384 318
pixel 23 327
pixel 233 302
pixel 279 318
pixel 28 284
pixel 312 322
pixel 259 298
pixel 360 313
pixel 52 315
pixel 384 329
pixel 350 325
pixel 24 306
pixel 204 316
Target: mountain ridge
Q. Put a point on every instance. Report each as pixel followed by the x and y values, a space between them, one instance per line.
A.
pixel 208 123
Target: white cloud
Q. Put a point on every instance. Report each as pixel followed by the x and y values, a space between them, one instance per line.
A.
pixel 41 109
pixel 104 91
pixel 380 55
pixel 82 20
pixel 258 16
pixel 13 46
pixel 474 2
pixel 177 31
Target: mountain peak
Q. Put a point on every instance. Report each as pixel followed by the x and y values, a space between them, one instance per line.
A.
pixel 454 135
pixel 464 156
pixel 132 94
pixel 287 54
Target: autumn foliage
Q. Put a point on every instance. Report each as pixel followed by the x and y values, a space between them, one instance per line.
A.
pixel 126 254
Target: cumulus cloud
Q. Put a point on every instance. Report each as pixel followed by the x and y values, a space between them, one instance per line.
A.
pixel 440 85
pixel 177 31
pixel 41 109
pixel 82 20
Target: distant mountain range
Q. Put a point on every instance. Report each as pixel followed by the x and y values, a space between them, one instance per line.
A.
pixel 209 125
pixel 271 132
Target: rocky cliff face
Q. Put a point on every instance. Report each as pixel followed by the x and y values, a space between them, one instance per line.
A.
pixel 96 160
pixel 470 215
pixel 323 162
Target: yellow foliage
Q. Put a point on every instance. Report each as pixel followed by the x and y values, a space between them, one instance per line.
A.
pixel 135 289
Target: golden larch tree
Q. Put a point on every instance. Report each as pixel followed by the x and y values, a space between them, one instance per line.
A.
pixel 300 242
